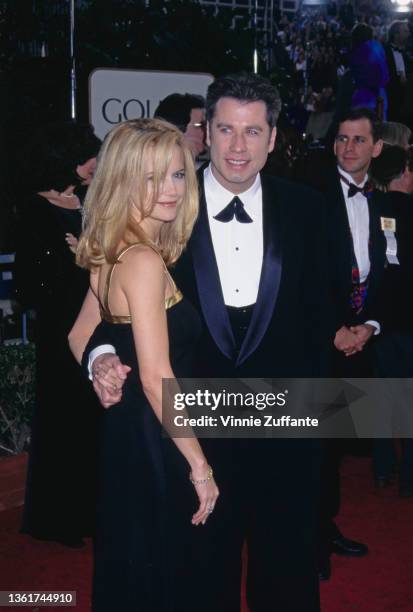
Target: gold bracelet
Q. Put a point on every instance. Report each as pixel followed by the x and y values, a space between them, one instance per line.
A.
pixel 203 480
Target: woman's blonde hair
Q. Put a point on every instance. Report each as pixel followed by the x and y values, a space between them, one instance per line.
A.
pixel 119 186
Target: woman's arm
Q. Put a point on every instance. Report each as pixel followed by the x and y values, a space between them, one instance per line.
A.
pixel 85 324
pixel 142 279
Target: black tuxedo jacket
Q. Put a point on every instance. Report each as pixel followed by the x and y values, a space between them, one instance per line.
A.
pixel 395 88
pixel 290 333
pixel 341 257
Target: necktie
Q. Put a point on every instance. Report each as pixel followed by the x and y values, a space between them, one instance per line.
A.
pixel 234 209
pixel 366 190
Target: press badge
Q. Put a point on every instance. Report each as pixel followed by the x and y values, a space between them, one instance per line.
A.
pixel 388 226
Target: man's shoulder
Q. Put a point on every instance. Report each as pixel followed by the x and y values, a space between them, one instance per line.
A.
pixel 291 193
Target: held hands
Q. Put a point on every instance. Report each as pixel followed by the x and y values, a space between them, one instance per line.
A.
pixel 353 340
pixel 207 491
pixel 109 375
pixel 363 333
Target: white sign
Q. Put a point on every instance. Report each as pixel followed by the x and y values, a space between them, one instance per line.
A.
pixel 117 95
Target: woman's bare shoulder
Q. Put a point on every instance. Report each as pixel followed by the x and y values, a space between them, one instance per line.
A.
pixel 143 261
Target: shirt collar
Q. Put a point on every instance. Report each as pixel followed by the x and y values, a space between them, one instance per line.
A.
pixel 350 178
pixel 218 197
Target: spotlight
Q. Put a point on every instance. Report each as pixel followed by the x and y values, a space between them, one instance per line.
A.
pixel 402 6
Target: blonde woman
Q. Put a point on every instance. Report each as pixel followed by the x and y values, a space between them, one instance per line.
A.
pixel 139 214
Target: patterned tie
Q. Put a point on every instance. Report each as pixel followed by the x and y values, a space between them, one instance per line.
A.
pixel 234 209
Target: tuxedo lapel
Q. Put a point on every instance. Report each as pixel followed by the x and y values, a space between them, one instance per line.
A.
pixel 270 273
pixel 340 231
pixel 208 283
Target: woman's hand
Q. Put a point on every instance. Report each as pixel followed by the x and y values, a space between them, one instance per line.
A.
pixel 71 241
pixel 207 492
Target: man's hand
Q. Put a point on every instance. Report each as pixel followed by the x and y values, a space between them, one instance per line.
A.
pixel 363 333
pixel 346 341
pixel 109 375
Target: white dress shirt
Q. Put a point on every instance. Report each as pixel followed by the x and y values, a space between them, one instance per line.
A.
pixel 359 221
pixel 399 62
pixel 238 246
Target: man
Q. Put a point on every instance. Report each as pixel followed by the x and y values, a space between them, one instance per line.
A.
pixel 186 112
pixel 397 61
pixel 356 262
pixel 254 270
pixel 394 347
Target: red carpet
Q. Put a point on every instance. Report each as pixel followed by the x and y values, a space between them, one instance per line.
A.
pixel 381 582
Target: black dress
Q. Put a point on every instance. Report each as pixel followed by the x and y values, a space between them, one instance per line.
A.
pixel 137 544
pixel 60 491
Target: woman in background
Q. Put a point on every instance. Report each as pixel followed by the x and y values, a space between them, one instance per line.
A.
pixel 368 67
pixel 56 166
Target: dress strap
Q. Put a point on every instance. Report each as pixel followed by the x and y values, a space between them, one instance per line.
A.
pixel 105 309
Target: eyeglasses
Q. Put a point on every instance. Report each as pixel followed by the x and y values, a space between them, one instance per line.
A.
pixel 199 124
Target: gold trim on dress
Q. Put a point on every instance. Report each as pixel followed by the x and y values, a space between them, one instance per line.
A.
pixel 174 299
pixel 105 313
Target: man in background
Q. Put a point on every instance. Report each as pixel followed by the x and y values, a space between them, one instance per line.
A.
pixel 187 113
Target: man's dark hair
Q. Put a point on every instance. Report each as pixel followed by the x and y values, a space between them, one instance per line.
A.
pixel 176 108
pixel 245 87
pixel 394 29
pixel 390 164
pixel 355 114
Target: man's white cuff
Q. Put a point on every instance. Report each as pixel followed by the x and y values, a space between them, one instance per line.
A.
pixel 376 325
pixel 99 350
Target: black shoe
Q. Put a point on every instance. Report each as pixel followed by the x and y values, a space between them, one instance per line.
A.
pixel 348 548
pixel 324 568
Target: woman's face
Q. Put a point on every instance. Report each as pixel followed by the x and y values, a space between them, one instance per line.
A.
pixel 86 171
pixel 171 191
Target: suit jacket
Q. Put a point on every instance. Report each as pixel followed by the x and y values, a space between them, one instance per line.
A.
pixel 289 334
pixel 341 257
pixel 395 88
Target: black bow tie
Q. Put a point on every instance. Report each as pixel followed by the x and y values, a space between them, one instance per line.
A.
pixel 397 49
pixel 234 209
pixel 353 189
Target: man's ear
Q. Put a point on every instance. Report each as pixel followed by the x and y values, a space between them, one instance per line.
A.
pixel 378 147
pixel 273 137
pixel 208 137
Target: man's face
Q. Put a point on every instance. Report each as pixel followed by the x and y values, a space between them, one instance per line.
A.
pixel 354 147
pixel 240 140
pixel 402 35
pixel 195 131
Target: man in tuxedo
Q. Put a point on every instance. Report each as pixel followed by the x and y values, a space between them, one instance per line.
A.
pixel 356 256
pixel 254 268
pixel 398 65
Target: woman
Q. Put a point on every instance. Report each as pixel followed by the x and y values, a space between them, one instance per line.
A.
pixel 369 70
pixel 139 213
pixel 60 487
